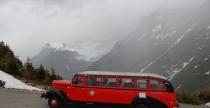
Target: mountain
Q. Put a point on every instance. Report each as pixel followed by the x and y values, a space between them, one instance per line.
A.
pixel 66 61
pixel 11 64
pixel 171 42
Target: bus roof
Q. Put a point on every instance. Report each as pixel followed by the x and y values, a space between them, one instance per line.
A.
pixel 131 74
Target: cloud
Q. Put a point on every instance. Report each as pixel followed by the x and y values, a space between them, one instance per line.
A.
pixel 28 24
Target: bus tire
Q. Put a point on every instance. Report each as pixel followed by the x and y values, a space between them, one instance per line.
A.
pixel 54 102
pixel 142 106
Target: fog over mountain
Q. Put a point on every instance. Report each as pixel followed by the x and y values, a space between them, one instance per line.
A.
pixel 26 25
pixel 65 60
pixel 171 42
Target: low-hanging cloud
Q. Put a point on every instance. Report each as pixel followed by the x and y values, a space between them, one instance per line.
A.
pixel 28 24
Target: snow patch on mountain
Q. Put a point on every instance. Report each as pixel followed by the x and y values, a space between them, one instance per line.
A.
pixel 208 104
pixel 157 28
pixel 166 51
pixel 178 70
pixel 87 51
pixel 179 39
pixel 188 30
pixel 91 51
pixel 205 59
pixel 199 48
pixel 55 45
pixel 178 87
pixel 12 82
pixel 207 73
pixel 156 32
pixel 195 67
pixel 142 36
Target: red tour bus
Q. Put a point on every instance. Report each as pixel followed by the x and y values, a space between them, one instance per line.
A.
pixel 138 90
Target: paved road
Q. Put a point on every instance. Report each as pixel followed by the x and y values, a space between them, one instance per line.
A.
pixel 24 99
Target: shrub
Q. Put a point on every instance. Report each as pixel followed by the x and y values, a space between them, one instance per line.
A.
pixel 184 96
pixel 204 95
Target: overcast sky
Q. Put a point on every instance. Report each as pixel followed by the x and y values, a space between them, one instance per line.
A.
pixel 26 25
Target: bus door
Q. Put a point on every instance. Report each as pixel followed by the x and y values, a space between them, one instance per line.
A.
pixel 76 92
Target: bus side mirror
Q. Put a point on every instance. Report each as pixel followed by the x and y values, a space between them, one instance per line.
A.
pixel 75 82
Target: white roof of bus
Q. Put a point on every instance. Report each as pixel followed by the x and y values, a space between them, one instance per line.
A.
pixel 133 74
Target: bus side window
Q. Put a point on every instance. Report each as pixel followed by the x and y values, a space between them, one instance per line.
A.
pixel 156 85
pixel 93 81
pixel 127 83
pixel 142 83
pixel 77 81
pixel 110 82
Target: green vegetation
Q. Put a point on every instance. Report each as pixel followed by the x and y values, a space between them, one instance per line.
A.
pixel 40 74
pixel 184 96
pixel 201 97
pixel 204 95
pixel 8 62
pixel 11 64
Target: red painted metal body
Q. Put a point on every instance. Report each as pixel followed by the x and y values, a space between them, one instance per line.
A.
pixel 112 95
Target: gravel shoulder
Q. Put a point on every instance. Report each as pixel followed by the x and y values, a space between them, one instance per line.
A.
pixel 10 98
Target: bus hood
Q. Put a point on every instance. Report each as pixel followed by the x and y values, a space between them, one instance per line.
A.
pixel 61 82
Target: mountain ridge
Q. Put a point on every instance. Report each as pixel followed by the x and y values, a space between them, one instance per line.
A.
pixel 168 42
pixel 66 61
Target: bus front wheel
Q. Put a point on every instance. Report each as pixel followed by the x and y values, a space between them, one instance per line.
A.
pixel 142 106
pixel 54 102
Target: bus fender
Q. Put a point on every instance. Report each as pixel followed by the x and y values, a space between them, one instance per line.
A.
pixel 138 100
pixel 151 102
pixel 55 92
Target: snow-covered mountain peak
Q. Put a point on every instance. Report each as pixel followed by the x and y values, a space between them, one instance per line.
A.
pixel 86 51
pixel 55 45
pixel 66 60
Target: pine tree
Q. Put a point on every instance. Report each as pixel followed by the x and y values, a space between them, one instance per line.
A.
pixel 29 70
pixel 14 67
pixel 8 62
pixel 40 73
pixel 58 77
pixel 53 75
pixel 47 79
